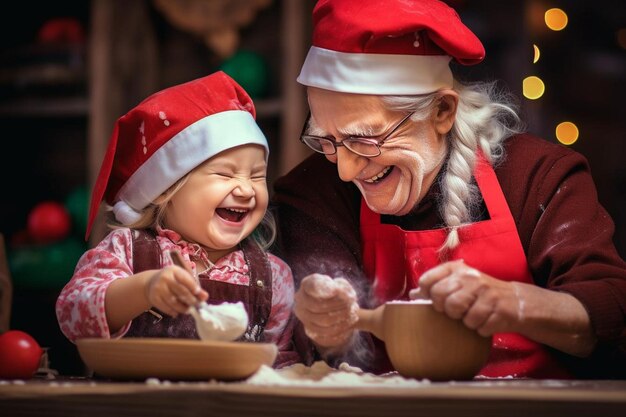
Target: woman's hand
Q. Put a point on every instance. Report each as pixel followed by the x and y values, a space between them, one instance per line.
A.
pixel 328 310
pixel 490 305
pixel 173 290
pixel 484 303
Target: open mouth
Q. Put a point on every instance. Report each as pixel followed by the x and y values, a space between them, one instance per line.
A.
pixel 380 176
pixel 231 214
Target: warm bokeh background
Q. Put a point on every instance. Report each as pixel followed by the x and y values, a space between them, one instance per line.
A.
pixel 68 69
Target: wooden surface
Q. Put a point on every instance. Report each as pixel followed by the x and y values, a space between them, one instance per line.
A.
pixel 477 398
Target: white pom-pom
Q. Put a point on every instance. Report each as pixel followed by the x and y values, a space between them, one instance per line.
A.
pixel 125 214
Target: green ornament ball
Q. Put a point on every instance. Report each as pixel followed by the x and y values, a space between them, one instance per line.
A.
pixel 77 204
pixel 61 259
pixel 28 267
pixel 249 70
pixel 45 266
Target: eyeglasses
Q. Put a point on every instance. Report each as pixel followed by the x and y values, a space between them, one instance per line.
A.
pixel 368 147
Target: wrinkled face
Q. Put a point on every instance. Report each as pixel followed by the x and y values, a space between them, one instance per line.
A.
pixel 395 181
pixel 223 200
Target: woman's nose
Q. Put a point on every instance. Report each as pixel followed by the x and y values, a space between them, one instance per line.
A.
pixel 349 164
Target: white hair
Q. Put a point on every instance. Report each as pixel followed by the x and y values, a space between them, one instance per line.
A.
pixel 485 116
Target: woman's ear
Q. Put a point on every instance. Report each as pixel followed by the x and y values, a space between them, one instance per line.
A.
pixel 445 111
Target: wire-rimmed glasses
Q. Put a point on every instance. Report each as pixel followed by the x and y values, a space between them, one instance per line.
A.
pixel 368 147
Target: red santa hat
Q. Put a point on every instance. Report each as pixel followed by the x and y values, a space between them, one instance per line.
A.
pixel 398 47
pixel 166 136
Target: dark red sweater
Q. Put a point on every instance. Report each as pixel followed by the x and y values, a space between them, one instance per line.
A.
pixel 566 234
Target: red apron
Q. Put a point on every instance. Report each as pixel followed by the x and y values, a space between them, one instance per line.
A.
pixel 395 259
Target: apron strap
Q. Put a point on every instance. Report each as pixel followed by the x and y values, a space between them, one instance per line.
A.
pixel 486 179
pixel 146 255
pixel 146 251
pixel 260 286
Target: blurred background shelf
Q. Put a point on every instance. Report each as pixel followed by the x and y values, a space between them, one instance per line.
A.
pixel 46 107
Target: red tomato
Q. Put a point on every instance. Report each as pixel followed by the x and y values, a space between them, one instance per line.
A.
pixel 19 355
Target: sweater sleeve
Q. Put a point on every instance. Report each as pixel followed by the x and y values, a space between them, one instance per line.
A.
pixel 80 306
pixel 568 238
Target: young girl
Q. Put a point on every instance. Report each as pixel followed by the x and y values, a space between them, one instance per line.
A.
pixel 185 171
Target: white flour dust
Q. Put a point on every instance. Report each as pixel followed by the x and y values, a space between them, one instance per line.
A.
pixel 416 301
pixel 226 321
pixel 325 286
pixel 322 375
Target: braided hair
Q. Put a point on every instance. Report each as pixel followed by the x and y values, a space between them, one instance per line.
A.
pixel 485 117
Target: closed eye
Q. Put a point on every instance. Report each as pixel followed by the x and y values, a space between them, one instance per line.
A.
pixel 222 174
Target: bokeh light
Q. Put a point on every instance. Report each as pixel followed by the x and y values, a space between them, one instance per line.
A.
pixel 566 133
pixel 537 54
pixel 533 87
pixel 556 19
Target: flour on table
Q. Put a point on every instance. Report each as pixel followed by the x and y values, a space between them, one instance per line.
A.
pixel 320 374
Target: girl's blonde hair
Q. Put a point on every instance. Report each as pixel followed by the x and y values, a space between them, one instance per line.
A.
pixel 153 216
pixel 485 117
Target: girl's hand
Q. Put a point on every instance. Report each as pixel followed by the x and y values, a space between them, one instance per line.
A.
pixel 484 303
pixel 173 290
pixel 328 310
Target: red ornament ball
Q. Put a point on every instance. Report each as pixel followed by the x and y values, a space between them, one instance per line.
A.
pixel 19 355
pixel 48 222
pixel 61 30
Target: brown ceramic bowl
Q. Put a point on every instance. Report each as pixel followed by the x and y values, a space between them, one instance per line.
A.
pixel 423 343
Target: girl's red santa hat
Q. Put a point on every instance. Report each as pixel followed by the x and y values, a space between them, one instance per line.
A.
pixel 396 47
pixel 166 136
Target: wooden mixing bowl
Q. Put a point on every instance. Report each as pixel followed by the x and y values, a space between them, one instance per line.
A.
pixel 423 343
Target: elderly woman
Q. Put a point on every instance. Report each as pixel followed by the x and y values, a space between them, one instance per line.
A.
pixel 422 186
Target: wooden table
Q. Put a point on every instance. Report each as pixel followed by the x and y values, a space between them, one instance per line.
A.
pixel 527 398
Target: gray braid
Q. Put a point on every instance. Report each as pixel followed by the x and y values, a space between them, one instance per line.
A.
pixel 485 117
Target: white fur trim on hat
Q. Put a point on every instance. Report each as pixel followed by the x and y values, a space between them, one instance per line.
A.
pixel 186 150
pixel 378 74
pixel 125 213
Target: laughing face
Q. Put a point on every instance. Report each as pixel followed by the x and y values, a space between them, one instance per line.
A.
pixel 395 181
pixel 223 200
